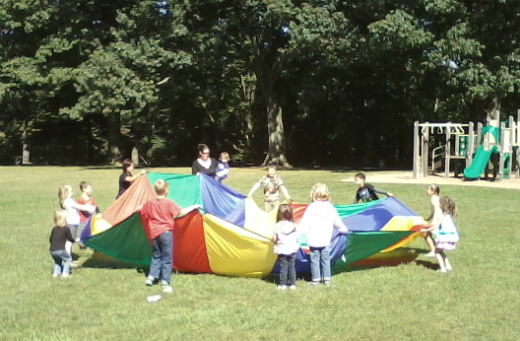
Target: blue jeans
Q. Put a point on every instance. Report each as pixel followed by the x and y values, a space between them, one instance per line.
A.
pixel 162 257
pixel 62 261
pixel 287 269
pixel 320 263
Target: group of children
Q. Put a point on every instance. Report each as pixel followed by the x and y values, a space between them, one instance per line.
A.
pixel 69 222
pixel 320 218
pixel 318 222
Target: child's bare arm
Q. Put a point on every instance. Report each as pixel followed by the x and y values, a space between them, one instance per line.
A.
pixel 188 209
pixel 253 190
pixel 285 192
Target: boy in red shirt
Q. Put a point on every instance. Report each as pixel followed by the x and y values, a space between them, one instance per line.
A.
pixel 158 215
pixel 85 198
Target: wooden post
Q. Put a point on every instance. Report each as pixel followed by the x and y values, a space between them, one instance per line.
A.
pixel 425 150
pixel 416 155
pixel 447 151
pixel 471 144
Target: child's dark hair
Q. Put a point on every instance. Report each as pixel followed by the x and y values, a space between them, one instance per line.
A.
pixel 284 213
pixel 360 176
pixel 434 188
pixel 448 206
pixel 127 163
pixel 271 165
pixel 83 185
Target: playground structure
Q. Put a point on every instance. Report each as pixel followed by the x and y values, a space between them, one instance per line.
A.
pixel 462 149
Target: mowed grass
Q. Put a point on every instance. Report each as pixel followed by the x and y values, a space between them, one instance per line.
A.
pixel 480 300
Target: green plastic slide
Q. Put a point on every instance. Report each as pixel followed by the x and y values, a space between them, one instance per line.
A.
pixel 475 170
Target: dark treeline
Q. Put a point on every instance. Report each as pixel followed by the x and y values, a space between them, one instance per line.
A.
pixel 307 83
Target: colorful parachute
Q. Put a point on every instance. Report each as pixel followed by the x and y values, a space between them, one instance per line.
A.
pixel 232 235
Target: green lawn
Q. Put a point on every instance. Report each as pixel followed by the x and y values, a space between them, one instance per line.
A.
pixel 480 300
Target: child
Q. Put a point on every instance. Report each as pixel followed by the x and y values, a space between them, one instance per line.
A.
pixel 223 167
pixel 158 215
pixel 59 236
pixel 287 244
pixel 366 192
pixel 433 191
pixel 447 235
pixel 127 178
pixel 272 184
pixel 319 220
pixel 67 203
pixel 85 198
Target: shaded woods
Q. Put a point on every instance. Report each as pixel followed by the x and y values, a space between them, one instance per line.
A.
pixel 305 83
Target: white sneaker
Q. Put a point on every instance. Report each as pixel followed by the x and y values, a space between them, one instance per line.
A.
pixel 55 275
pixel 292 287
pixel 167 289
pixel 149 281
pixel 449 268
pixel 430 254
pixel 282 287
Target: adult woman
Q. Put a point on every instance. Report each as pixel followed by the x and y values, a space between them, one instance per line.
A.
pixel 204 164
pixel 126 178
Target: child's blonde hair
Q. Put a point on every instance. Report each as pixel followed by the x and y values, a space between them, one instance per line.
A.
pixel 320 192
pixel 434 188
pixel 63 193
pixel 161 187
pixel 223 155
pixel 60 218
pixel 448 206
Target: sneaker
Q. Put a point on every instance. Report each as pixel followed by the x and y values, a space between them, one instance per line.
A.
pixel 327 283
pixel 282 287
pixel 65 276
pixel 313 283
pixel 55 275
pixel 449 268
pixel 149 281
pixel 292 287
pixel 167 289
pixel 163 283
pixel 430 254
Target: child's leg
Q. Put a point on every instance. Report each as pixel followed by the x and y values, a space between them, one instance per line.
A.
pixel 56 271
pixel 440 259
pixel 315 264
pixel 325 264
pixel 446 262
pixel 292 270
pixel 166 240
pixel 155 265
pixel 67 261
pixel 284 269
pixel 429 242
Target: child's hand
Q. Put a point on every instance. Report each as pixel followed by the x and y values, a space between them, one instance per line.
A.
pixel 390 195
pixel 424 230
pixel 139 208
pixel 91 209
pixel 144 171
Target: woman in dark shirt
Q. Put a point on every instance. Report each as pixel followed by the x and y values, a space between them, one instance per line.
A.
pixel 204 164
pixel 126 178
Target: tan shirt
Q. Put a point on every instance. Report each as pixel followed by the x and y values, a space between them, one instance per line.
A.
pixel 271 187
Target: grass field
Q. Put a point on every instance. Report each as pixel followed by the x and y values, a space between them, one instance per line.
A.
pixel 480 300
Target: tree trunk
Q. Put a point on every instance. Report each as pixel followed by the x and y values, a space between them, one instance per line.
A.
pixel 114 138
pixel 275 128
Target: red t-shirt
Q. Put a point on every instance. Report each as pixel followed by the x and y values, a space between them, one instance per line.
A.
pixel 83 216
pixel 159 215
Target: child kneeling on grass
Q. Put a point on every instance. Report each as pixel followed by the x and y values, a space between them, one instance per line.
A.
pixel 59 236
pixel 158 215
pixel 446 235
pixel 286 238
pixel 319 220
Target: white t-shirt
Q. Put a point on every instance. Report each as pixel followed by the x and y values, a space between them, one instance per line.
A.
pixel 319 220
pixel 448 230
pixel 288 238
pixel 72 213
pixel 436 212
pixel 206 164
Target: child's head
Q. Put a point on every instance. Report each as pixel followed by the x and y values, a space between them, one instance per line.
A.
pixel 224 157
pixel 284 213
pixel 359 179
pixel 320 192
pixel 64 192
pixel 448 206
pixel 60 218
pixel 161 188
pixel 271 170
pixel 433 189
pixel 86 188
pixel 128 166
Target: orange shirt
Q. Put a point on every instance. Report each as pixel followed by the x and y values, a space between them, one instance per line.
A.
pixel 83 216
pixel 158 216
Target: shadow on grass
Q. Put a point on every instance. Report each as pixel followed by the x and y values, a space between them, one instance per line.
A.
pixel 102 261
